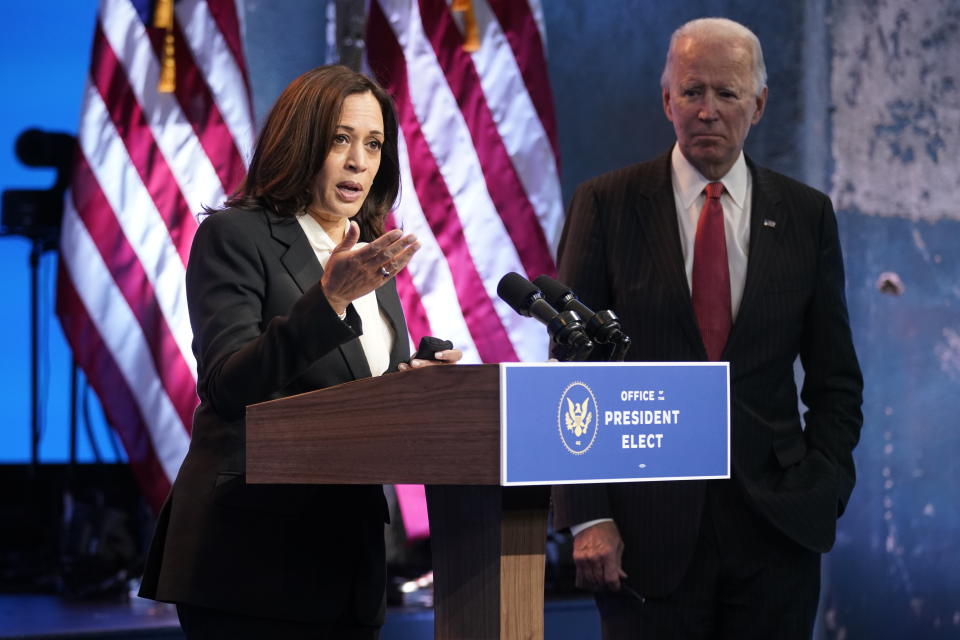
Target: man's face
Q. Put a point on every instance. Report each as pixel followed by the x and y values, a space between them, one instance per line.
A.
pixel 711 101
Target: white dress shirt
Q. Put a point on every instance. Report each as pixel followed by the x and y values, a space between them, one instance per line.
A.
pixel 378 336
pixel 688 194
pixel 688 186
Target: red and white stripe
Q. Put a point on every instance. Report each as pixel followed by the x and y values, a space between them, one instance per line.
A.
pixel 480 169
pixel 146 164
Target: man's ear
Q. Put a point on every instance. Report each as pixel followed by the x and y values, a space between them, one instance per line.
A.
pixel 761 105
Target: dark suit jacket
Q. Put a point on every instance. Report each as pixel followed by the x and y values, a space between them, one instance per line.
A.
pixel 263 329
pixel 620 250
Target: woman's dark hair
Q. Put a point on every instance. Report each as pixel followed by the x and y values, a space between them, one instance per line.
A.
pixel 296 139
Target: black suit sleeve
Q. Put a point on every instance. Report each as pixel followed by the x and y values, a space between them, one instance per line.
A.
pixel 833 384
pixel 582 254
pixel 241 361
pixel 582 260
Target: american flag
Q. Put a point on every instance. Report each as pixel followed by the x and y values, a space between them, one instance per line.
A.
pixel 480 189
pixel 480 172
pixel 147 162
pixel 480 177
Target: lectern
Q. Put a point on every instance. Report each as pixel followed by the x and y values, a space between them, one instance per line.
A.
pixel 438 426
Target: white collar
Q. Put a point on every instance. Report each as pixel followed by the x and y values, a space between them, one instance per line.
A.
pixel 318 238
pixel 690 183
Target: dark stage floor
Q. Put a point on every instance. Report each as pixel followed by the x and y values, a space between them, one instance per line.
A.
pixel 50 617
pixel 46 616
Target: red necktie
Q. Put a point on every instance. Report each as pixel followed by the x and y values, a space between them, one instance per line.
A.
pixel 711 276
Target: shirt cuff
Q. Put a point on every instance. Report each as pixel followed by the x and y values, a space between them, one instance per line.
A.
pixel 576 529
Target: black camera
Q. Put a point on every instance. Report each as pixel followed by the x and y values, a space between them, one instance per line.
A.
pixel 36 213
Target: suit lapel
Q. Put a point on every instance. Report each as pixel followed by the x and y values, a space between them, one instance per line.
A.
pixel 301 263
pixel 299 259
pixel 662 233
pixel 767 223
pixel 389 302
pixel 353 351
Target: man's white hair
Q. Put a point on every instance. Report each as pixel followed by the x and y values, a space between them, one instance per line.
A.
pixel 713 28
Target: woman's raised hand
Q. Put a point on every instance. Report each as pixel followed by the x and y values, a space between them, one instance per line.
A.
pixel 353 272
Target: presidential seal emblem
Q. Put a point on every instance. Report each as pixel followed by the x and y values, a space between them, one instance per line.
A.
pixel 577 418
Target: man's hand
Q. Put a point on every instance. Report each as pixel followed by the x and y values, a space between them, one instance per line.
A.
pixel 596 553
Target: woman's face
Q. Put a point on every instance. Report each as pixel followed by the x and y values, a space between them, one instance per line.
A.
pixel 352 163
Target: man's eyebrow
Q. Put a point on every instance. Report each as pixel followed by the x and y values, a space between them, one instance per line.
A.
pixel 351 129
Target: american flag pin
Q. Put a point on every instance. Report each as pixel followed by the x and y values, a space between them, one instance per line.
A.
pixel 767 222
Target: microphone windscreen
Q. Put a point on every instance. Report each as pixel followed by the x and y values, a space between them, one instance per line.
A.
pixel 552 290
pixel 518 292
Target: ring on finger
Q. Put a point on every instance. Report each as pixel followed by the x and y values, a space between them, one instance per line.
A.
pixel 384 272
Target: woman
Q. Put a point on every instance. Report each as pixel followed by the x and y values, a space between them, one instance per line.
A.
pixel 284 299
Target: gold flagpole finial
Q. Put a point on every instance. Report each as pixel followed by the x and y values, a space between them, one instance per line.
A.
pixel 471 36
pixel 163 19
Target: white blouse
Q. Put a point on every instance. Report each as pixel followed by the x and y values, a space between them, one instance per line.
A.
pixel 378 335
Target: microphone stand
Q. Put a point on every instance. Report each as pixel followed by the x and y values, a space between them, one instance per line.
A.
pixel 604 327
pixel 570 342
pixel 622 345
pixel 36 250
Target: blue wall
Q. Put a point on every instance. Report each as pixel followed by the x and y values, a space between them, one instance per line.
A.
pixel 895 147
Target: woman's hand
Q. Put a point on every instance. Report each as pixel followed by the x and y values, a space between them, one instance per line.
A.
pixel 353 272
pixel 449 356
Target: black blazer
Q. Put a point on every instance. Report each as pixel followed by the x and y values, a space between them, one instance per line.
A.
pixel 620 250
pixel 263 329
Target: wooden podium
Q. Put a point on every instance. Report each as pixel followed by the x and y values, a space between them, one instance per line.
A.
pixel 438 426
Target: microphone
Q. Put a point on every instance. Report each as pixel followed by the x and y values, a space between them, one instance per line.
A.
pixel 565 328
pixel 602 326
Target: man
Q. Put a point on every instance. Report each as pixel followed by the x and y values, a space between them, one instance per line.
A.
pixel 748 270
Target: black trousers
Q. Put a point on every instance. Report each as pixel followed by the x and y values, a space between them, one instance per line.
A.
pixel 201 623
pixel 746 580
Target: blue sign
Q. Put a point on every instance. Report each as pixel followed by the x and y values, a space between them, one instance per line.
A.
pixel 614 422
